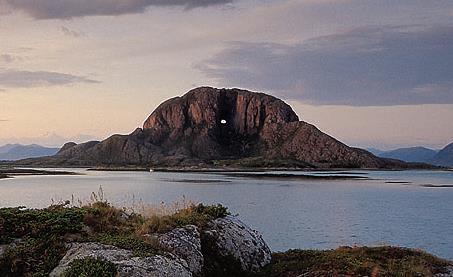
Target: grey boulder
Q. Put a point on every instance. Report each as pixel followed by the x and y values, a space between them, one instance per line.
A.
pixel 229 238
pixel 185 243
pixel 126 262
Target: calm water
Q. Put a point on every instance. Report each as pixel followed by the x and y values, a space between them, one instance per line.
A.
pixel 316 214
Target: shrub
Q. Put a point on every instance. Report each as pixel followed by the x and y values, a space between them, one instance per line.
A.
pixel 55 220
pixel 198 215
pixel 36 255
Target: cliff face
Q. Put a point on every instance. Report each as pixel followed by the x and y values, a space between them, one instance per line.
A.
pixel 212 124
pixel 207 124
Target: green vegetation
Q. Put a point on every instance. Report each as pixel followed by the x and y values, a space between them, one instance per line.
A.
pixel 37 237
pixel 89 266
pixel 355 261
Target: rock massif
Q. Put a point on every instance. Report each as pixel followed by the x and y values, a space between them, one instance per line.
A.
pixel 208 127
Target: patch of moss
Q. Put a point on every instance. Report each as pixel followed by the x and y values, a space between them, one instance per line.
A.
pixel 88 267
pixel 355 261
pixel 140 246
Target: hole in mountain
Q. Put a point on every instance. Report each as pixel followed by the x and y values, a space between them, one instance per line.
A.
pixel 223 121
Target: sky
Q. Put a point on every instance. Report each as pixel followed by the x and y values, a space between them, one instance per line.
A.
pixel 371 73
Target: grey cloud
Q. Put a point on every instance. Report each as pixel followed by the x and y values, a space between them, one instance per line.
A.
pixel 27 79
pixel 71 33
pixel 7 58
pixel 369 66
pixel 64 9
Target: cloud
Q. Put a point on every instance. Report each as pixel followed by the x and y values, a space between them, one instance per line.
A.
pixel 368 66
pixel 64 9
pixel 71 33
pixel 7 58
pixel 27 79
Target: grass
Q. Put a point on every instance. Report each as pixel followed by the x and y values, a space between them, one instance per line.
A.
pixel 37 237
pixel 89 266
pixel 355 261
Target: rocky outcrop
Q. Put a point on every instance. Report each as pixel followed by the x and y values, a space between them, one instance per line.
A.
pixel 225 247
pixel 2 249
pixel 229 242
pixel 209 126
pixel 449 273
pixel 126 263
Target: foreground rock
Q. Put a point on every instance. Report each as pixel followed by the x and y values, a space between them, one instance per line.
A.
pixel 210 127
pixel 126 263
pixel 227 242
pixel 225 247
pixel 185 243
pixel 448 273
pixel 2 249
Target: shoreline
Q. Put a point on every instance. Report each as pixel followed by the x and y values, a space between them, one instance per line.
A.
pixel 11 172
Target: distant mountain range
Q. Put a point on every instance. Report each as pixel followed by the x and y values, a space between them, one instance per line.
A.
pixel 419 154
pixel 13 152
pixel 444 157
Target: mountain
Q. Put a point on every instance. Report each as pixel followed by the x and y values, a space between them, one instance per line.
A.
pixel 12 152
pixel 209 127
pixel 375 151
pixel 410 154
pixel 7 147
pixel 444 157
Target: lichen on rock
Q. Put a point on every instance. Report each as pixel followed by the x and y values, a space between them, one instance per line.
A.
pixel 185 243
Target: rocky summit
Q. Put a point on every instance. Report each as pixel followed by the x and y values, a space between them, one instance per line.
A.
pixel 210 127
